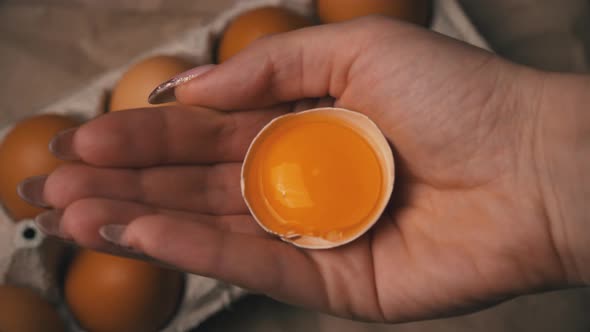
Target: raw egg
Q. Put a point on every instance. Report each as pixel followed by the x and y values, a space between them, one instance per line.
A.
pixel 254 24
pixel 112 294
pixel 415 11
pixel 319 178
pixel 133 88
pixel 23 310
pixel 24 153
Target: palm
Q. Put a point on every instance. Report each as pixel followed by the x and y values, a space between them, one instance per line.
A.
pixel 453 238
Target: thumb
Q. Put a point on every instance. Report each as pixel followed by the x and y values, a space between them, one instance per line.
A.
pixel 307 63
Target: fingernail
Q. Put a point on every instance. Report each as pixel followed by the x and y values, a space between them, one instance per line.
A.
pixel 114 234
pixel 49 223
pixel 62 145
pixel 164 92
pixel 31 190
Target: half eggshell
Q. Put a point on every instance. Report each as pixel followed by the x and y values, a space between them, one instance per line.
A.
pixel 365 128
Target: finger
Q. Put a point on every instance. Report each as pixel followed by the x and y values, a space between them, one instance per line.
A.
pixel 203 189
pixel 164 135
pixel 308 63
pixel 82 220
pixel 260 264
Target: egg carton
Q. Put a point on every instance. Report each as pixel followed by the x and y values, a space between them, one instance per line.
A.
pixel 30 259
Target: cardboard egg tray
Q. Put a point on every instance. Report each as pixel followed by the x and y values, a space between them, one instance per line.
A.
pixel 27 258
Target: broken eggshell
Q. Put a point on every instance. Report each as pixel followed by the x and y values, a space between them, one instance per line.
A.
pixel 364 127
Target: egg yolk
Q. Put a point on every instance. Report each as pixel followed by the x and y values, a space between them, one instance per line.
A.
pixel 313 175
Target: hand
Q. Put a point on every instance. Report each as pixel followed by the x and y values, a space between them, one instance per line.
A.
pixel 467 225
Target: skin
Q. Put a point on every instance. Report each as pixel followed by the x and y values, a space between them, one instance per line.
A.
pixel 486 206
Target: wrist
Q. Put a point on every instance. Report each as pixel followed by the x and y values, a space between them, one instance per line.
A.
pixel 562 158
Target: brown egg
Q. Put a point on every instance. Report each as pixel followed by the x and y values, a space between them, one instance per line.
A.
pixel 23 310
pixel 254 24
pixel 134 87
pixel 415 11
pixel 112 294
pixel 24 153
